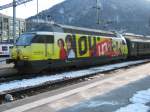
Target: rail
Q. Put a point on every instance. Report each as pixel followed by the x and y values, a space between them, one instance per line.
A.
pixel 3 60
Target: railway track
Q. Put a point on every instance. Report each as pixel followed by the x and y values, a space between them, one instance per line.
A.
pixel 36 83
pixel 3 60
pixel 6 70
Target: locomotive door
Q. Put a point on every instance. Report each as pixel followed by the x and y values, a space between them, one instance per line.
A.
pixel 49 46
pixel 42 47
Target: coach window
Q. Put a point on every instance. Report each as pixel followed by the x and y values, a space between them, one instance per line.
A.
pixel 133 45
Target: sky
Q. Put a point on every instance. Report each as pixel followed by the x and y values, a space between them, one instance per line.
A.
pixel 28 9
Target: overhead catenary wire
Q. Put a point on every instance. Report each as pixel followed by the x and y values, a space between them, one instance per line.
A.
pixel 17 2
pixel 14 4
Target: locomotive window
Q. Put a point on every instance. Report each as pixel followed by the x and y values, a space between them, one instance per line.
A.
pixel 43 39
pixel 25 39
pixel 38 39
pixel 49 39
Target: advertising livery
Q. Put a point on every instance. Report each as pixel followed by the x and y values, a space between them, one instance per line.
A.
pixel 41 50
pixel 79 46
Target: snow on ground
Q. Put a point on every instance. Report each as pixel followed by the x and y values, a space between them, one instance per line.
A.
pixel 95 104
pixel 134 108
pixel 139 101
pixel 20 84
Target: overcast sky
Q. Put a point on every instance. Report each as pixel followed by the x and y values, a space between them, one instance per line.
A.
pixel 28 9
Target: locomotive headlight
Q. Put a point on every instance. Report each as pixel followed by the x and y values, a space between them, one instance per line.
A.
pixel 25 57
pixel 25 53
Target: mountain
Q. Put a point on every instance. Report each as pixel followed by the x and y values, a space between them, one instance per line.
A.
pixel 122 15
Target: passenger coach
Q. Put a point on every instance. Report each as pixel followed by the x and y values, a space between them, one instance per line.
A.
pixel 138 45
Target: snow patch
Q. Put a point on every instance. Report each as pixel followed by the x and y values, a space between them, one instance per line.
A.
pixel 134 108
pixel 139 101
pixel 141 97
pixel 94 104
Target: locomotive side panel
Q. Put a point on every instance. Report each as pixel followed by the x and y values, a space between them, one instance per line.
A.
pixel 74 46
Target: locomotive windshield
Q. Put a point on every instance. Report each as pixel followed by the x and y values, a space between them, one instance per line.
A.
pixel 25 39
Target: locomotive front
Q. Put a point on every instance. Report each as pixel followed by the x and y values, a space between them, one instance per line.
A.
pixel 31 51
pixel 22 48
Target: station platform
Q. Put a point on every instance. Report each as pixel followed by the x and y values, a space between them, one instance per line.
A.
pixel 7 69
pixel 112 94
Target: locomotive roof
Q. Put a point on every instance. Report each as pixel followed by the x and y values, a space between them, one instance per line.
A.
pixel 44 33
pixel 52 33
pixel 69 29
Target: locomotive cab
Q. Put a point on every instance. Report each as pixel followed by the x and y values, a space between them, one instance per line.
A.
pixel 31 48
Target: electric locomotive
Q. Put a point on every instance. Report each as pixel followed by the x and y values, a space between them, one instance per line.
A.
pixel 44 50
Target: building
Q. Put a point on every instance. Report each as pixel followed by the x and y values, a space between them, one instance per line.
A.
pixel 6 28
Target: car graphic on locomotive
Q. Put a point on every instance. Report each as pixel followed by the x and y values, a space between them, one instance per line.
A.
pixel 75 46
